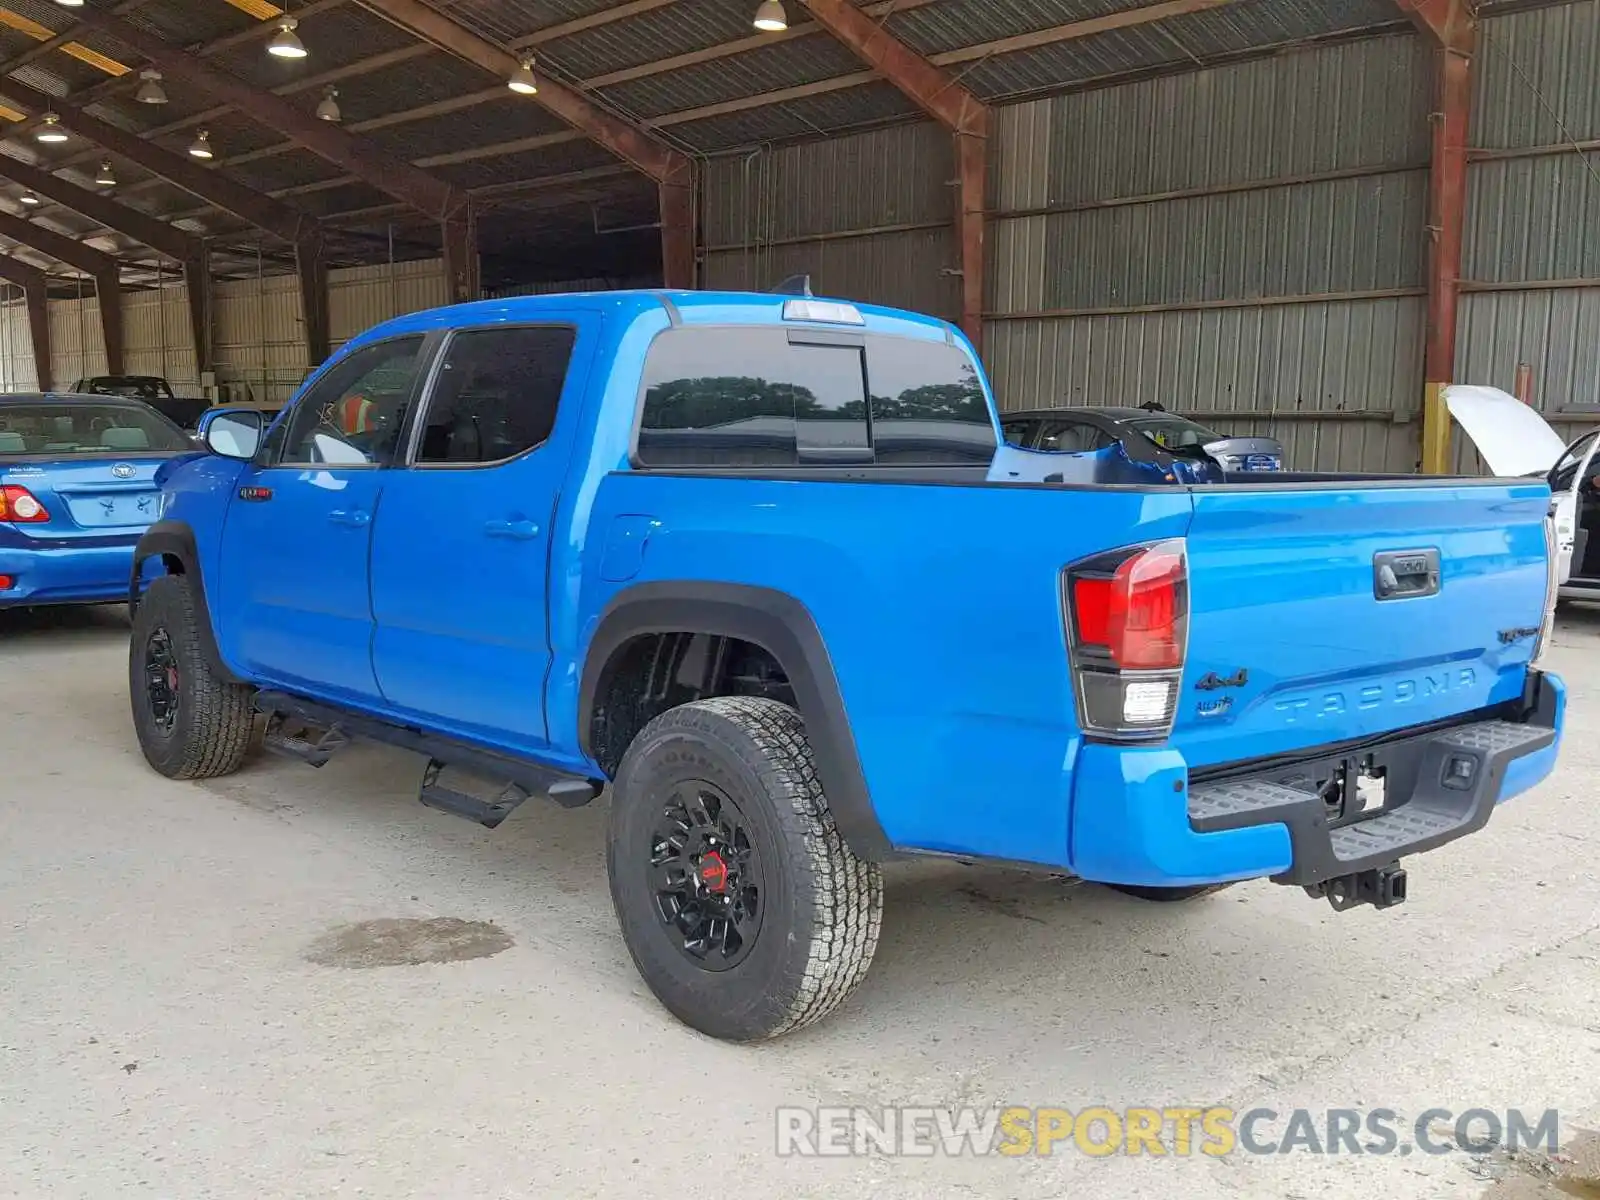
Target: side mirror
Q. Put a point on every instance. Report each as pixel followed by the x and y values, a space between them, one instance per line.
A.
pixel 235 434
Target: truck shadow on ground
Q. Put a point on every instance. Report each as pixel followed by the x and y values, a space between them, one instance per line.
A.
pixel 45 629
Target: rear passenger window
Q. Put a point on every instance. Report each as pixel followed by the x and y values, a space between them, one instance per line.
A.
pixel 928 407
pixel 496 394
pixel 747 397
pixel 732 397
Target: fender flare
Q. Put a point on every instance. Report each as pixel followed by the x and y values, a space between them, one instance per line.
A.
pixel 785 629
pixel 175 539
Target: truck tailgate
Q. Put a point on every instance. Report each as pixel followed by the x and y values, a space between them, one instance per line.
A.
pixel 1293 642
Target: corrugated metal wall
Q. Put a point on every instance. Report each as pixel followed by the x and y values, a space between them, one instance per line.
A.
pixel 868 216
pixel 156 331
pixel 1531 262
pixel 17 372
pixel 1244 245
pixel 259 337
pixel 77 348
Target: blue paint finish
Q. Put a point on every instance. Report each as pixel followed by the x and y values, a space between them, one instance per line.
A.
pixel 937 599
pixel 291 582
pixel 624 553
pixel 1531 769
pixel 98 510
pixel 1131 825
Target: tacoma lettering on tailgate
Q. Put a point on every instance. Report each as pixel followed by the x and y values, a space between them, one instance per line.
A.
pixel 1309 706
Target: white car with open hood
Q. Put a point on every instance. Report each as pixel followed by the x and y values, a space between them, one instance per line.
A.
pixel 1514 440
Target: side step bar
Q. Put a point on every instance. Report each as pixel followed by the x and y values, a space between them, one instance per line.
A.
pixel 313 733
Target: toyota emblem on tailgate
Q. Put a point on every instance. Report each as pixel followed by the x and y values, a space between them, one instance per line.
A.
pixel 123 470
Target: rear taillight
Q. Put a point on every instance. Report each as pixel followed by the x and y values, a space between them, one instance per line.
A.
pixel 18 505
pixel 1128 627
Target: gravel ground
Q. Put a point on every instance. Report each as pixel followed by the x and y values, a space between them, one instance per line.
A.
pixel 186 1010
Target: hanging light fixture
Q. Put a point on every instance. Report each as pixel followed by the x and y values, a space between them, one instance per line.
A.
pixel 328 110
pixel 151 91
pixel 522 80
pixel 52 131
pixel 30 199
pixel 770 17
pixel 70 3
pixel 201 146
pixel 286 43
pixel 105 177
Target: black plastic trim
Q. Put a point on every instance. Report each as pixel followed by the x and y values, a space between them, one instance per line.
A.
pixel 532 777
pixel 1414 760
pixel 784 628
pixel 176 538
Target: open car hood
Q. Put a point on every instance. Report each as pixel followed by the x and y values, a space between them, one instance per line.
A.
pixel 1510 436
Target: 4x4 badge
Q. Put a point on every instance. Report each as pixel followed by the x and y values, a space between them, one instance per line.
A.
pixel 1213 682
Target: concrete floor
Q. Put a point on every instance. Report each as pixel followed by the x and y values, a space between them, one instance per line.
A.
pixel 165 1032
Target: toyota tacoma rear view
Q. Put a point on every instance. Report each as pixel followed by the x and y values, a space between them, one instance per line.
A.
pixel 746 562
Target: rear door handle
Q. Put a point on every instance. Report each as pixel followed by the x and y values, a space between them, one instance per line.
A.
pixel 522 531
pixel 355 518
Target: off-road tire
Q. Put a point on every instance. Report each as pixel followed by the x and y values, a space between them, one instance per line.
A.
pixel 822 906
pixel 215 718
pixel 1167 895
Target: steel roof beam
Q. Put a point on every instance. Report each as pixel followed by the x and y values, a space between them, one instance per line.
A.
pixel 174 243
pixel 1449 24
pixel 102 268
pixel 395 177
pixel 670 168
pixel 269 215
pixel 276 217
pixel 939 94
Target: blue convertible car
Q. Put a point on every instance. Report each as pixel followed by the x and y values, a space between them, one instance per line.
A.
pixel 76 491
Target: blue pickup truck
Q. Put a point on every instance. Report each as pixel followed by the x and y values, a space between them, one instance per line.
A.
pixel 745 561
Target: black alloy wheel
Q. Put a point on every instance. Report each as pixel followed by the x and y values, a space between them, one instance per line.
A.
pixel 161 680
pixel 705 873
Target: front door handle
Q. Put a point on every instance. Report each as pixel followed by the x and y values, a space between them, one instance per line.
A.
pixel 522 531
pixel 355 517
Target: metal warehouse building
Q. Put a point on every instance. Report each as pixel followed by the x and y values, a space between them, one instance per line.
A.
pixel 1278 216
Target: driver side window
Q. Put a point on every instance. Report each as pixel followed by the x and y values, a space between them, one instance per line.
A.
pixel 351 417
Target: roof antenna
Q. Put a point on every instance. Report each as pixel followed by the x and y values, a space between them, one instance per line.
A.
pixel 795 285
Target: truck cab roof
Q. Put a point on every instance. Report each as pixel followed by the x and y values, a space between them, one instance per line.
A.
pixel 681 308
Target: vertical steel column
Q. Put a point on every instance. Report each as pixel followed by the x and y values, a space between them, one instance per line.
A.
pixel 197 281
pixel 460 237
pixel 677 198
pixel 108 291
pixel 313 271
pixel 1449 27
pixel 972 173
pixel 1447 202
pixel 38 302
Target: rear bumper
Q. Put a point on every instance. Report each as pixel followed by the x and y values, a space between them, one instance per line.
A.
pixel 1138 817
pixel 66 574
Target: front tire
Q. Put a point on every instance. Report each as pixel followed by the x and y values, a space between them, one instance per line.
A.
pixel 743 909
pixel 191 724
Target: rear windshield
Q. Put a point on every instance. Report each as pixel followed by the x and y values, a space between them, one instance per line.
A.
pixel 775 397
pixel 1174 433
pixel 134 387
pixel 72 427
